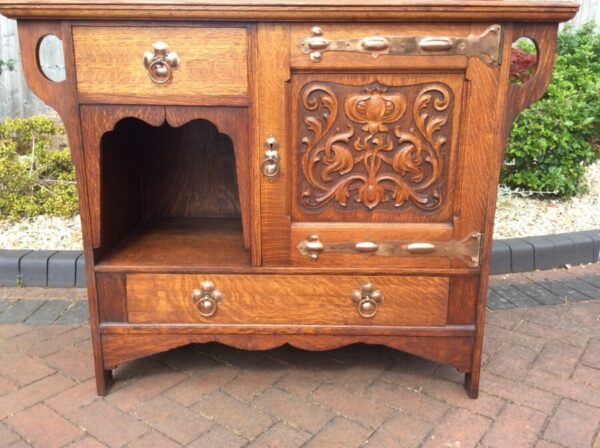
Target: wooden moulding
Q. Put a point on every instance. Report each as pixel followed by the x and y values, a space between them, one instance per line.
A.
pixel 313 10
pixel 453 350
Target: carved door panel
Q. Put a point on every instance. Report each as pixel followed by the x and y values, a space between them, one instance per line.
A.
pixel 374 148
pixel 370 168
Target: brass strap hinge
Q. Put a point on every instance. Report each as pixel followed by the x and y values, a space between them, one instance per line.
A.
pixel 485 46
pixel 468 250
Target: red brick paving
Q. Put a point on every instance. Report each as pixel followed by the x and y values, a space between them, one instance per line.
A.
pixel 43 427
pixel 540 388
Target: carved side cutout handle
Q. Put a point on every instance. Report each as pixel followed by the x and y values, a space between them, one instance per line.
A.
pixel 520 96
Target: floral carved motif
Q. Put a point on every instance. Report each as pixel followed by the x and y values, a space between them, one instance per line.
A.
pixel 374 152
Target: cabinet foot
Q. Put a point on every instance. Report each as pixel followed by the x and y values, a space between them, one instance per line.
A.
pixel 104 382
pixel 472 384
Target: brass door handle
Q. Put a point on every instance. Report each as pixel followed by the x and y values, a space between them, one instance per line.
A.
pixel 207 298
pixel 161 62
pixel 434 44
pixel 366 247
pixel 421 248
pixel 467 249
pixel 311 247
pixel 486 46
pixel 367 300
pixel 316 44
pixel 270 164
pixel 375 43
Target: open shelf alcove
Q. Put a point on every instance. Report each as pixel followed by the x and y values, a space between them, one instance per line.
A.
pixel 173 189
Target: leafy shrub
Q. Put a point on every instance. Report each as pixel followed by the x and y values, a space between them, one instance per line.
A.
pixel 34 178
pixel 554 140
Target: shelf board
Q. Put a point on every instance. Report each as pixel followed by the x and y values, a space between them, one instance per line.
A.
pixel 179 244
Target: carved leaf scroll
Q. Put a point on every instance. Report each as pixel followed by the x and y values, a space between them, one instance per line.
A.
pixel 373 152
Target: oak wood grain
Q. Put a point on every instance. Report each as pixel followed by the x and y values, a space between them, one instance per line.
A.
pixel 62 97
pixel 462 305
pixel 96 121
pixel 179 243
pixel 350 133
pixel 112 297
pixel 310 10
pixel 273 103
pixel 108 61
pixel 287 329
pixel 455 351
pixel 313 300
pixel 142 151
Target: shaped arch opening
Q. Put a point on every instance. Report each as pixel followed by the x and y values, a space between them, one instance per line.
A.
pixel 170 195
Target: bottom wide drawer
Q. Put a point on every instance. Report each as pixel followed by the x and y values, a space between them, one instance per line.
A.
pixel 287 299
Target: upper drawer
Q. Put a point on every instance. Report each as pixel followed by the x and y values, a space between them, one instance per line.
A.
pixel 212 61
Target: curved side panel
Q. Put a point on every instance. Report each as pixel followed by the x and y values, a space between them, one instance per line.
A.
pixel 121 348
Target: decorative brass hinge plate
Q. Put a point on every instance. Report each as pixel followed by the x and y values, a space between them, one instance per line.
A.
pixel 485 45
pixel 468 250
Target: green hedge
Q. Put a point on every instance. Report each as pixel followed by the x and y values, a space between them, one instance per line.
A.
pixel 554 140
pixel 35 179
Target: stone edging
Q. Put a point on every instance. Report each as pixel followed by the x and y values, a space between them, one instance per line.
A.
pixel 545 252
pixel 66 269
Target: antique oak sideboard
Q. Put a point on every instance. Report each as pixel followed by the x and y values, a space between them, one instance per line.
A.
pixel 304 172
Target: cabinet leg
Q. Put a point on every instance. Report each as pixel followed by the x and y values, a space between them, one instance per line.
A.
pixel 472 384
pixel 103 382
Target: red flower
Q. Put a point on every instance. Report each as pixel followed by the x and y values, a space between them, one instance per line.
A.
pixel 522 66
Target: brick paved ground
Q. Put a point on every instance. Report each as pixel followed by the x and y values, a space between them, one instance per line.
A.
pixel 540 386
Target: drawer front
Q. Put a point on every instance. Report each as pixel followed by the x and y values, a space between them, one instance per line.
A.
pixel 293 300
pixel 212 61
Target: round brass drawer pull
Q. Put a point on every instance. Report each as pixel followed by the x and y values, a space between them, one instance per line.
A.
pixel 367 300
pixel 161 62
pixel 207 298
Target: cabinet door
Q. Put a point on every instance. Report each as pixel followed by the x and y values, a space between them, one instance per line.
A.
pixel 375 163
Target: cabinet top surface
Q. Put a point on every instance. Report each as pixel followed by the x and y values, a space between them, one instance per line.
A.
pixel 522 10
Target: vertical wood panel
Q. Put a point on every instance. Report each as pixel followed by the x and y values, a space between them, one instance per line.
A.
pixel 463 300
pixel 112 294
pixel 273 78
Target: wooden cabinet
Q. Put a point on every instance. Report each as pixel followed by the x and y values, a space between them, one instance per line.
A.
pixel 310 173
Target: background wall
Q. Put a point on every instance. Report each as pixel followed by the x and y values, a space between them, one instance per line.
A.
pixel 17 101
